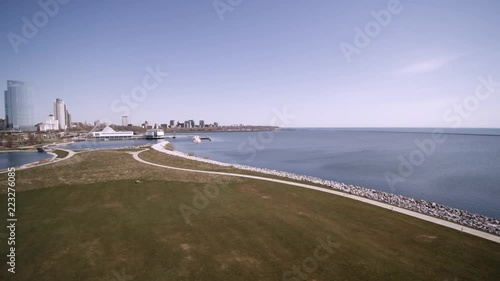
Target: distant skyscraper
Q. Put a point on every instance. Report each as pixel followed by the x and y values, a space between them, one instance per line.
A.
pixel 172 123
pixel 61 114
pixel 191 123
pixel 68 119
pixel 202 123
pixel 124 120
pixel 19 106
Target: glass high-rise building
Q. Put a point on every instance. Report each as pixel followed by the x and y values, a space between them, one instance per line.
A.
pixel 60 113
pixel 19 106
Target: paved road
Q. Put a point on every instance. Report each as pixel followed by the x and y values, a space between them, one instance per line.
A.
pixel 445 223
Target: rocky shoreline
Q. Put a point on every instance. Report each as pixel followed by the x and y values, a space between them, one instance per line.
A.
pixel 462 217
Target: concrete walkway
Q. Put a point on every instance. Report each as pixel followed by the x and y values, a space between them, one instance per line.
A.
pixel 445 223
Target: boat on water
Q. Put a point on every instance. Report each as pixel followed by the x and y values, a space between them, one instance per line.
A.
pixel 196 139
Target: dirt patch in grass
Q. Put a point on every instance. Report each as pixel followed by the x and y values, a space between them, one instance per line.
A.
pixel 185 247
pixel 425 238
pixel 92 250
pixel 252 190
pixel 113 205
pixel 234 257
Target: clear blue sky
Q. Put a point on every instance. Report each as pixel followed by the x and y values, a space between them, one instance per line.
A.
pixel 259 57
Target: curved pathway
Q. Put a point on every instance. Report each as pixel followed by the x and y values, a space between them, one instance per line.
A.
pixel 445 223
pixel 54 159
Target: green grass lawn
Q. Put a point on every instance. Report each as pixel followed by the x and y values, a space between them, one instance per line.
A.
pixel 61 153
pixel 85 219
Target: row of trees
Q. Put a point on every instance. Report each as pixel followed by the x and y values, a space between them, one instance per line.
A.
pixel 13 140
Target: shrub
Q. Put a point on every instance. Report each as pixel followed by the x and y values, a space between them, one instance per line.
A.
pixel 169 146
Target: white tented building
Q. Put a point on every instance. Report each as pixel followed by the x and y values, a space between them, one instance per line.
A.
pixel 155 134
pixel 109 133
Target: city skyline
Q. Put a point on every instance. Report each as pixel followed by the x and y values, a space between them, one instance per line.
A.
pixel 361 64
pixel 19 107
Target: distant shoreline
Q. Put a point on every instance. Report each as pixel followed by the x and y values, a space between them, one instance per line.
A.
pixel 444 131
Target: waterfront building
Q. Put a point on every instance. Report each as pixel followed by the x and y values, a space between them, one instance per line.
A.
pixel 191 123
pixel 108 133
pixel 19 106
pixel 202 123
pixel 172 123
pixel 155 134
pixel 125 120
pixel 51 124
pixel 216 124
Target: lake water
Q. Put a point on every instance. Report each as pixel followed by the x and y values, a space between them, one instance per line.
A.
pixel 82 145
pixel 461 172
pixel 14 159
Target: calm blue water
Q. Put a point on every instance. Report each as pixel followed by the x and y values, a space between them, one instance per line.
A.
pixel 14 159
pixel 107 144
pixel 461 172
